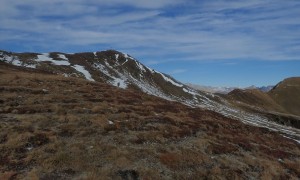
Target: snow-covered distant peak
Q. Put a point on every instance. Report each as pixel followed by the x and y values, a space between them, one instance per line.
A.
pixel 262 88
pixel 210 89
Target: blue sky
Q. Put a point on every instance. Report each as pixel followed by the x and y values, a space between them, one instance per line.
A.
pixel 218 43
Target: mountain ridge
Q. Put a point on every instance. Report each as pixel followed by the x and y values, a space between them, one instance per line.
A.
pixel 123 71
pixel 283 97
pixel 290 86
pixel 226 90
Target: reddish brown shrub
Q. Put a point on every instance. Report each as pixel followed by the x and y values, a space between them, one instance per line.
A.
pixel 275 153
pixel 224 148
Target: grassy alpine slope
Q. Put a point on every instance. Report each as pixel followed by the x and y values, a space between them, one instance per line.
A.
pixel 52 127
pixel 287 94
pixel 281 104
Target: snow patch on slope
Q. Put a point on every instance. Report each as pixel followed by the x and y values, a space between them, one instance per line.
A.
pixel 127 56
pixel 86 73
pixel 30 65
pixel 102 69
pixel 140 66
pixel 117 57
pixel 7 58
pixel 151 70
pixel 16 62
pixel 124 62
pixel 169 80
pixel 118 82
pixel 62 56
pixel 190 91
pixel 149 88
pixel 45 57
pixel 248 118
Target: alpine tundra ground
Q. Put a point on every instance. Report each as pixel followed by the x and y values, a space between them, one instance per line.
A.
pixel 52 127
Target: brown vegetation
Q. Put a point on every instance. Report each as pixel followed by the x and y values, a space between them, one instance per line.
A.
pixel 53 127
pixel 280 105
pixel 287 94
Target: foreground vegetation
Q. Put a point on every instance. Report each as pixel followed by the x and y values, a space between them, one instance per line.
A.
pixel 53 127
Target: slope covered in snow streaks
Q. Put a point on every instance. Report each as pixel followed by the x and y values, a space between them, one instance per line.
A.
pixel 122 70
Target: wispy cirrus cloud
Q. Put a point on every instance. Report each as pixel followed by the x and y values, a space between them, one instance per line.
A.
pixel 177 71
pixel 159 30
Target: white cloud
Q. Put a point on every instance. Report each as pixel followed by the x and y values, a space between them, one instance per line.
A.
pixel 159 30
pixel 177 71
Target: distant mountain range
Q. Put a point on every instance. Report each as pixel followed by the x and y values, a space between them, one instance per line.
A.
pixel 263 88
pixel 226 90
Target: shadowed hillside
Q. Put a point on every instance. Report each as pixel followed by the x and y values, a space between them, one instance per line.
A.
pixel 281 104
pixel 287 94
pixel 54 127
pixel 256 98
